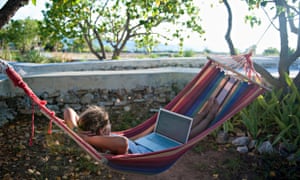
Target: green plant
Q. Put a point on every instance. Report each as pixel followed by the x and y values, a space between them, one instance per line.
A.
pixel 270 51
pixel 287 115
pixel 31 56
pixel 6 53
pixel 228 126
pixel 188 53
pixel 274 116
pixel 253 117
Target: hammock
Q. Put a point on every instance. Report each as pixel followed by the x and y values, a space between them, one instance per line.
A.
pixel 189 101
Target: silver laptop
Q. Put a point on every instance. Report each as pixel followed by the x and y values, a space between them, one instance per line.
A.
pixel 171 130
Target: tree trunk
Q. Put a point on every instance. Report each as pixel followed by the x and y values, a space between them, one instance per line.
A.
pixel 286 59
pixel 90 45
pixel 9 10
pixel 116 53
pixel 227 36
pixel 100 43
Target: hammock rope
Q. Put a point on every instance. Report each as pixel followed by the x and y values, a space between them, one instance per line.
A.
pixel 32 124
pixel 208 82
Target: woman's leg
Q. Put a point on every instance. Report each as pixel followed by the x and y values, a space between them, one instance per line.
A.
pixel 203 118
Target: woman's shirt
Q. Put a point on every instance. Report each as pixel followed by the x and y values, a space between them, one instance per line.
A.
pixel 134 148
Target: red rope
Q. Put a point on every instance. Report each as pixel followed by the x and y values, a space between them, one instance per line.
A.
pixel 18 81
pixel 32 126
pixel 250 66
pixel 50 127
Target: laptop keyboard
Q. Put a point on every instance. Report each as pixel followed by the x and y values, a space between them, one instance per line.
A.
pixel 161 141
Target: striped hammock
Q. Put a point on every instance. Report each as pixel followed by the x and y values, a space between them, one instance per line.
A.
pixel 207 83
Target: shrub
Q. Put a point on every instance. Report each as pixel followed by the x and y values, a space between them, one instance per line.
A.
pixel 274 116
pixel 188 53
pixel 270 51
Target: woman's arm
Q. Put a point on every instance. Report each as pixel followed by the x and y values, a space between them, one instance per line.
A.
pixel 71 118
pixel 115 144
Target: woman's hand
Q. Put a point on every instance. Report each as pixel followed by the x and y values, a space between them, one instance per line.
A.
pixel 70 118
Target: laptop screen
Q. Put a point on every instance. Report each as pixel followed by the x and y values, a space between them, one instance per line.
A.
pixel 173 125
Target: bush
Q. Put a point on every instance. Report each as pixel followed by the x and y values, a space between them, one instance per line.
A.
pixel 35 57
pixel 6 54
pixel 30 56
pixel 270 51
pixel 188 53
pixel 274 116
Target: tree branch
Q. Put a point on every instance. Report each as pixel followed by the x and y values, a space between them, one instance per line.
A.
pixel 267 75
pixel 227 35
pixel 9 10
pixel 88 40
pixel 293 27
pixel 100 14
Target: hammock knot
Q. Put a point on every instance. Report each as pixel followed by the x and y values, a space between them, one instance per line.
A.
pixel 43 102
pixel 3 66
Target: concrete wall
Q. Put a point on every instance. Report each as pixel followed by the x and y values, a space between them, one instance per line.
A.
pixel 133 87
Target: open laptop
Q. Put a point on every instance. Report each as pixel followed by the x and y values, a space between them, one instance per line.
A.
pixel 171 130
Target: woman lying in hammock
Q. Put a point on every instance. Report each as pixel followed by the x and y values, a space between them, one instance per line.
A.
pixel 95 128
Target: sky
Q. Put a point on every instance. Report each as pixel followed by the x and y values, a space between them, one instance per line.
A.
pixel 214 22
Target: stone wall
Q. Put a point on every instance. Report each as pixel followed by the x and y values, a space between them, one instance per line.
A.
pixel 129 90
pixel 130 105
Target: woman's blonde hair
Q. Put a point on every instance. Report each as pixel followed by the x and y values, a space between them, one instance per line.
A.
pixel 93 119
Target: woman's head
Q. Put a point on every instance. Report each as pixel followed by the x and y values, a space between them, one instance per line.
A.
pixel 96 120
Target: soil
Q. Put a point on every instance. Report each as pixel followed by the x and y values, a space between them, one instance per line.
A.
pixel 56 156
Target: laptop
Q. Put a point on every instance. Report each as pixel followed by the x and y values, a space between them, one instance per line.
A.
pixel 171 130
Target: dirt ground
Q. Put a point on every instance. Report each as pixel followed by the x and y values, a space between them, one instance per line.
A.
pixel 56 156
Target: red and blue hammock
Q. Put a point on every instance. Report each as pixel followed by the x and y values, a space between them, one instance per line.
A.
pixel 189 101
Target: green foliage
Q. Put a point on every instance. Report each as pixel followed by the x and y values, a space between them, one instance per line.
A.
pixel 275 116
pixel 254 117
pixel 3 39
pixel 117 22
pixel 207 51
pixel 188 53
pixel 30 56
pixel 77 45
pixel 252 20
pixel 6 54
pixel 147 42
pixel 228 126
pixel 24 34
pixel 34 57
pixel 270 51
pixel 107 49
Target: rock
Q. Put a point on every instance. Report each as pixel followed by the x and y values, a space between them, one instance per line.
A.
pixel 127 108
pixel 87 98
pixel 265 147
pixel 53 107
pixel 67 98
pixel 252 144
pixel 242 149
pixel 241 141
pixel 222 137
pixel 3 105
pixel 285 149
